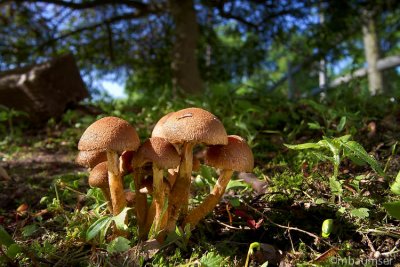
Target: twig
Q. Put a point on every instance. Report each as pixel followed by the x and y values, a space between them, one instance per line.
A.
pixel 287 227
pixel 228 226
pixel 291 241
pixel 370 245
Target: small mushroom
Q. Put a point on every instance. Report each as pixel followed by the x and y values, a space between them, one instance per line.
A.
pixel 235 156
pixel 98 178
pixel 112 135
pixel 130 198
pixel 162 155
pixel 91 158
pixel 188 127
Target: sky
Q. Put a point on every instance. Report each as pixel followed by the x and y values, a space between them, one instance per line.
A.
pixel 115 90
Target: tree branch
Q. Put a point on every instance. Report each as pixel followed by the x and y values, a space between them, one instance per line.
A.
pixel 87 5
pixel 108 21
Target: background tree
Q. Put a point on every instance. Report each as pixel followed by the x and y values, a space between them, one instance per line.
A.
pixel 155 45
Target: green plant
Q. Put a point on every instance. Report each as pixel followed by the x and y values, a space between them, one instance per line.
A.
pixel 180 237
pixel 334 150
pixel 393 208
pixel 102 224
pixel 11 249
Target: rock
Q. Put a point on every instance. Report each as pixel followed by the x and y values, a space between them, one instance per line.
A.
pixel 45 90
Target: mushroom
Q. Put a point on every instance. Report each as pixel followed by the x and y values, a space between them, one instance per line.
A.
pixel 98 178
pixel 188 127
pixel 112 135
pixel 235 156
pixel 158 128
pixel 89 159
pixel 163 155
pixel 130 198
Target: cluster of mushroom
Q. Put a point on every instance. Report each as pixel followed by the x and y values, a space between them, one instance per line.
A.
pixel 111 147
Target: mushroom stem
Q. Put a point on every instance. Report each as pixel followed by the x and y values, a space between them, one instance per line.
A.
pixel 199 212
pixel 107 196
pixel 141 202
pixel 179 197
pixel 158 196
pixel 115 182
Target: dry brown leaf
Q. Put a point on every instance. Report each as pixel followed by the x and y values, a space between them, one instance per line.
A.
pixel 260 187
pixel 268 253
pixel 327 254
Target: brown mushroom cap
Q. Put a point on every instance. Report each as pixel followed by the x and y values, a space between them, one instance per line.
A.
pixel 91 158
pixel 130 198
pixel 158 128
pixel 194 125
pixel 98 177
pixel 236 155
pixel 109 133
pixel 159 151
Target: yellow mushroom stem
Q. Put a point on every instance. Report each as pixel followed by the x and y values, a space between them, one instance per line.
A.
pixel 179 197
pixel 172 175
pixel 199 212
pixel 158 196
pixel 141 202
pixel 115 182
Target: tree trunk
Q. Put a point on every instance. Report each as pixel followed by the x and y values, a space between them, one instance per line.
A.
pixel 185 71
pixel 371 48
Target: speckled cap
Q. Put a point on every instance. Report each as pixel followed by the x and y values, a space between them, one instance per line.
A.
pixel 236 155
pixel 158 128
pixel 109 133
pixel 194 125
pixel 98 177
pixel 159 151
pixel 91 158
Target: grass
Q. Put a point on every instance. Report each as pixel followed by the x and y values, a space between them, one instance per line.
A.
pixel 47 206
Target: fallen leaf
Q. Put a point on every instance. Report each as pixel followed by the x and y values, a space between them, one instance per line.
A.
pixel 327 254
pixel 267 253
pixel 253 224
pixel 260 187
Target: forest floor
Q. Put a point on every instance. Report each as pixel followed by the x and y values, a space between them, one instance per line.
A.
pixel 277 213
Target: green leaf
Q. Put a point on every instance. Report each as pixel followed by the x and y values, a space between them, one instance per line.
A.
pixel 13 250
pixel 120 219
pixel 314 125
pixel 236 183
pixel 206 173
pixel 336 186
pixel 327 227
pixel 304 146
pixel 357 150
pixel 29 230
pixel 335 149
pixel 341 124
pixel 321 156
pixel 120 244
pixel 320 201
pixel 212 259
pixel 395 188
pixel 101 224
pixel 5 238
pixel 235 202
pixel 361 213
pixel 393 208
pixel 343 138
